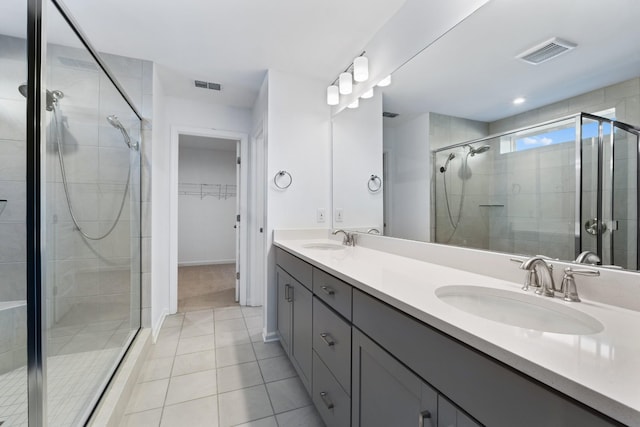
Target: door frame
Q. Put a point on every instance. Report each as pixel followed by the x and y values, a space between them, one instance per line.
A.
pixel 176 131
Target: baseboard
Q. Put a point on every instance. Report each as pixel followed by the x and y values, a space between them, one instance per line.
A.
pixel 196 263
pixel 270 337
pixel 156 328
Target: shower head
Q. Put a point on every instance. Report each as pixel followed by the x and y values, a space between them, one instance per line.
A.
pixel 115 122
pixel 52 97
pixel 479 150
pixel 443 169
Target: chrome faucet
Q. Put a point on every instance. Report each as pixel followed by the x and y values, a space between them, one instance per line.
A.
pixel 349 238
pixel 568 287
pixel 588 257
pixel 535 266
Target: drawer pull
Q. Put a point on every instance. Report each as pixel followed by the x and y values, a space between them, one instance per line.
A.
pixel 328 403
pixel 327 290
pixel 327 339
pixel 423 416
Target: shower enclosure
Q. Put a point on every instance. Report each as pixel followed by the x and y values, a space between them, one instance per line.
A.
pixel 69 219
pixel 558 188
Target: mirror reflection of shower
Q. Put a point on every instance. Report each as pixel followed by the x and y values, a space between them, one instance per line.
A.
pixel 465 174
pixel 53 99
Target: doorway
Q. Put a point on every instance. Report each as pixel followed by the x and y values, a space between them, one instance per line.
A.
pixel 208 202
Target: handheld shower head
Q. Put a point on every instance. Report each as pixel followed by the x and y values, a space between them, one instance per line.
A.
pixel 443 169
pixel 52 97
pixel 115 122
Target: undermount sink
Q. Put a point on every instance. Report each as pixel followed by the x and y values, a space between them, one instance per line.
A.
pixel 324 246
pixel 519 309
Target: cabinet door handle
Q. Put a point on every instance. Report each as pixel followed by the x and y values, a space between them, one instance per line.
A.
pixel 423 416
pixel 327 339
pixel 327 402
pixel 287 293
pixel 327 290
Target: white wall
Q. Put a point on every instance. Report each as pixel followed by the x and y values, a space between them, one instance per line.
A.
pixel 205 225
pixel 176 112
pixel 409 179
pixel 299 141
pixel 357 154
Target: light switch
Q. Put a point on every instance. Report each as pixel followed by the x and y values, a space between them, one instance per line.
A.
pixel 320 215
pixel 339 215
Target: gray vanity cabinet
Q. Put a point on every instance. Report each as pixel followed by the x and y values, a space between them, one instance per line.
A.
pixel 385 393
pixel 450 416
pixel 294 312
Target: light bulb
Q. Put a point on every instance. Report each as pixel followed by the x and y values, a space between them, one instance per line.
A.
pixel 519 100
pixel 354 104
pixel 368 94
pixel 361 69
pixel 345 83
pixel 333 97
pixel 385 82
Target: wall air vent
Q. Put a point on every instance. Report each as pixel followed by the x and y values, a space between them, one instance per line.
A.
pixel 546 51
pixel 208 85
pixel 389 115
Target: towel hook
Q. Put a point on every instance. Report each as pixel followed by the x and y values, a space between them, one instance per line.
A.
pixel 374 184
pixel 280 174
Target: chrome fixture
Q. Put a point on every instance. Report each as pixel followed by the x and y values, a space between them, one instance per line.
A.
pixel 443 169
pixel 588 257
pixel 373 231
pixel 349 238
pixel 479 150
pixel 537 265
pixel 115 122
pixel 52 96
pixel 3 204
pixel 568 287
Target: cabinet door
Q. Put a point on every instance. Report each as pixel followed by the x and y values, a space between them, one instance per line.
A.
pixel 385 393
pixel 301 325
pixel 450 416
pixel 284 308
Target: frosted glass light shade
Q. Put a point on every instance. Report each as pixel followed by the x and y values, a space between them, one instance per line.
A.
pixel 361 69
pixel 385 82
pixel 354 104
pixel 333 96
pixel 345 83
pixel 368 94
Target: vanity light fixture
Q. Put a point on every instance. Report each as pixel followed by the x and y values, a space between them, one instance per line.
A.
pixel 333 95
pixel 368 94
pixel 519 100
pixel 385 82
pixel 361 69
pixel 345 83
pixel 354 104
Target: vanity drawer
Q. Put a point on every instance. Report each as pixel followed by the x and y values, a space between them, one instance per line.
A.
pixel 333 404
pixel 335 292
pixel 298 269
pixel 332 342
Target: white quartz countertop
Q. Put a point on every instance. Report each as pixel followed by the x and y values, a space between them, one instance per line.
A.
pixel 601 370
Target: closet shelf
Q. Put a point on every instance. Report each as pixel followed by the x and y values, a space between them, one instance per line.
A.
pixel 219 191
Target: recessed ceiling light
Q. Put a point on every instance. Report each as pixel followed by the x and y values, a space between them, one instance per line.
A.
pixel 518 100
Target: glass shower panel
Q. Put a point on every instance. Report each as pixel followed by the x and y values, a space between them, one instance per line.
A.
pixel 589 146
pixel 13 289
pixel 92 226
pixel 624 204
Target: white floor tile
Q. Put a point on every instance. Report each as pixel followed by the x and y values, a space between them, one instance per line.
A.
pixel 303 417
pixel 194 413
pixel 239 376
pixel 241 406
pixel 195 344
pixel 192 386
pixel 149 395
pixel 142 419
pixel 287 395
pixel 234 355
pixel 276 368
pixel 194 362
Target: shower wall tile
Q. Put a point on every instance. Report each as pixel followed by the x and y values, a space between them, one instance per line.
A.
pixel 622 90
pixel 14 73
pixel 13 237
pixel 13 281
pixel 13 125
pixel 12 161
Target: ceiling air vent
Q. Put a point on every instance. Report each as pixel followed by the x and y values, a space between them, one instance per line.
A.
pixel 546 51
pixel 208 85
pixel 389 115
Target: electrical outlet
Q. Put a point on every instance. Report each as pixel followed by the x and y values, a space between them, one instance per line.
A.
pixel 339 215
pixel 320 215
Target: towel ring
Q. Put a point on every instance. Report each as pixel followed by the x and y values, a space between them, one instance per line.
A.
pixel 374 184
pixel 280 174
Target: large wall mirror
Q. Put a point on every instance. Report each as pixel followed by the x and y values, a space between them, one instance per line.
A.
pixel 517 131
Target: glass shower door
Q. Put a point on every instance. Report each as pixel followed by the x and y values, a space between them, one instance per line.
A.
pixel 13 289
pixel 588 229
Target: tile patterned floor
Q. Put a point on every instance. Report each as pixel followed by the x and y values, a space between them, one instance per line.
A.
pixel 211 368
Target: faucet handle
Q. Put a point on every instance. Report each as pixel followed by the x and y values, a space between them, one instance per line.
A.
pixel 569 288
pixel 531 280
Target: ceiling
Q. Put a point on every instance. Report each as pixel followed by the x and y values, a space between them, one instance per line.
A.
pixel 233 42
pixel 473 71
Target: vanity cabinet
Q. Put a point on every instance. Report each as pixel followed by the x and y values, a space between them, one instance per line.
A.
pixel 294 313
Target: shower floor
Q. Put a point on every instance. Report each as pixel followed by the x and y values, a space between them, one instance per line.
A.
pixel 72 375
